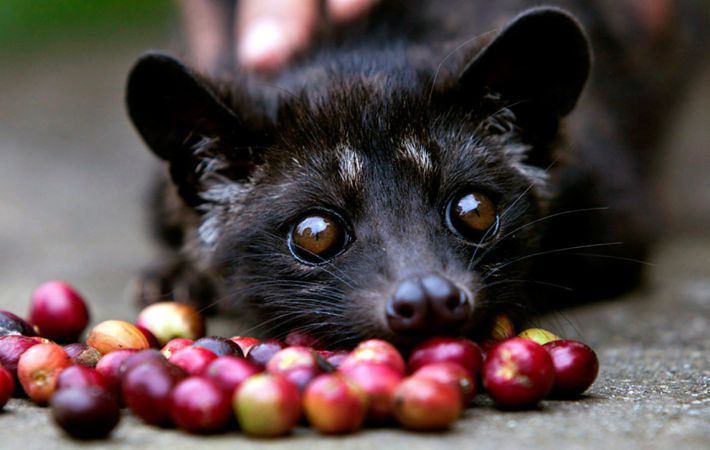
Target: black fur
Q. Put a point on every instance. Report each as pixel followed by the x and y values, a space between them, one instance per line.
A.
pixel 249 157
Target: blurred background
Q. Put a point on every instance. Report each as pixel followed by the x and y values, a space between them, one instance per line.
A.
pixel 73 178
pixel 73 173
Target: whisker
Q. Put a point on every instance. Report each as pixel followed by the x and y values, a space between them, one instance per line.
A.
pixel 530 186
pixel 568 321
pixel 528 224
pixel 497 303
pixel 475 252
pixel 341 277
pixel 541 283
pixel 548 217
pixel 283 319
pixel 268 321
pixel 503 215
pixel 548 252
pixel 315 298
pixel 617 258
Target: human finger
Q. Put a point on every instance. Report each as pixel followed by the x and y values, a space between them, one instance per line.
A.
pixel 270 32
pixel 346 10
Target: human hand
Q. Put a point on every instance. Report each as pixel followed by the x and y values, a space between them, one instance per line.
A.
pixel 265 34
pixel 270 32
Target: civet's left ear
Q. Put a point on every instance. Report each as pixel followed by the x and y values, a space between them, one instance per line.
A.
pixel 177 113
pixel 541 61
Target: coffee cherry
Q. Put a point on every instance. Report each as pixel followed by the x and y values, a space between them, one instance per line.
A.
pixel 219 346
pixel 109 366
pixel 7 386
pixel 170 320
pixel 267 405
pixel 80 376
pixel 503 328
pixel 518 373
pixel 334 405
pixel 447 349
pixel 200 406
pixel 301 339
pixel 82 354
pixel 538 335
pixel 113 335
pixel 193 360
pixel 336 358
pixel 38 370
pixel 379 383
pixel 245 343
pixel 453 374
pixel 58 311
pixel 375 351
pixel 229 372
pixel 146 390
pixel 299 365
pixel 140 357
pixel 425 404
pixel 85 412
pixel 576 367
pixel 174 345
pixel 261 353
pixel 11 324
pixel 150 337
pixel 11 348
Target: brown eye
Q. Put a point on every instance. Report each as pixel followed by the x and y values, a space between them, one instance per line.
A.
pixel 473 216
pixel 318 237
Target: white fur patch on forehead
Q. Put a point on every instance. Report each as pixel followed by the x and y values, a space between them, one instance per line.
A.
pixel 350 166
pixel 413 152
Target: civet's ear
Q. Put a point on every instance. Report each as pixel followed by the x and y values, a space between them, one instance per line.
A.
pixel 184 123
pixel 541 61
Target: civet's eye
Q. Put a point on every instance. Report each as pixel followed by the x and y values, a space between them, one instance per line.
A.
pixel 317 237
pixel 473 216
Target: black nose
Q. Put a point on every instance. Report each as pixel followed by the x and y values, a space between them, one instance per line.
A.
pixel 427 304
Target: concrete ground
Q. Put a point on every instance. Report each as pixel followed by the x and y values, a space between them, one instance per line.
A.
pixel 72 177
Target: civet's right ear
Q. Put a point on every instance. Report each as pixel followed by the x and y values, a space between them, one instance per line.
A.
pixel 541 60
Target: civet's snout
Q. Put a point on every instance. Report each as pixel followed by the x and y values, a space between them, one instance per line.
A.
pixel 427 305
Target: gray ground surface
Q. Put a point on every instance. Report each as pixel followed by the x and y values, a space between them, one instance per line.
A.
pixel 72 175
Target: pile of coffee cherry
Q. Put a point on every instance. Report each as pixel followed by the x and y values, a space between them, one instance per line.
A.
pixel 167 372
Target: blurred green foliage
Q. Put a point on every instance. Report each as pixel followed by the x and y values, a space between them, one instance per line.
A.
pixel 30 23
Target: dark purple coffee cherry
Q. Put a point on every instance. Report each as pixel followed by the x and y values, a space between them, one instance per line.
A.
pixel 261 353
pixel 11 324
pixel 219 346
pixel 85 412
pixel 146 389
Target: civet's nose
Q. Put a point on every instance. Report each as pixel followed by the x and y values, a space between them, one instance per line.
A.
pixel 427 304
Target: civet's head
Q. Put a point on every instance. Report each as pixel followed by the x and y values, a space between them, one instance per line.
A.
pixel 391 204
